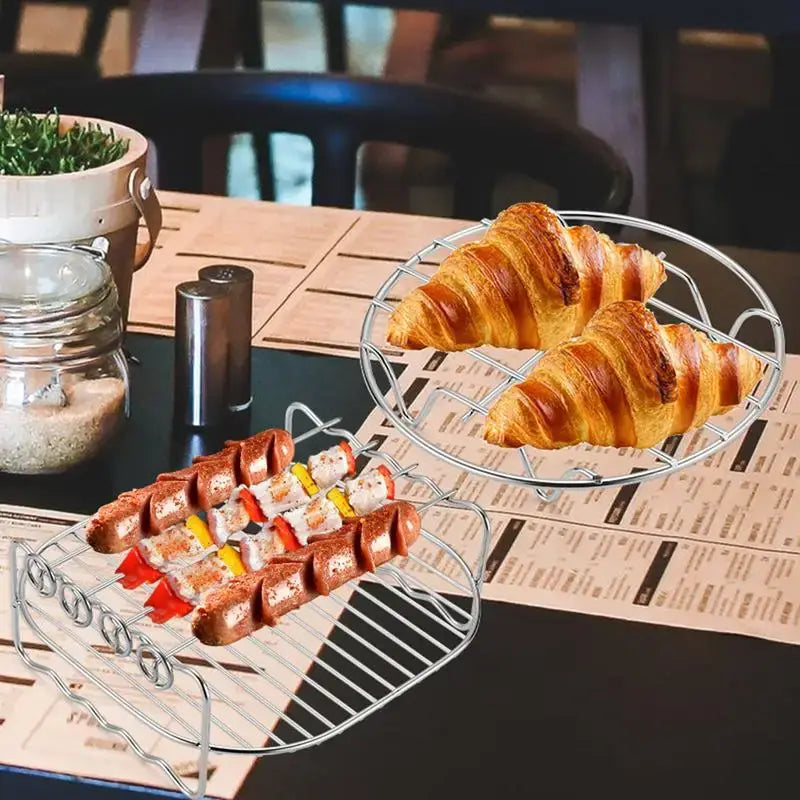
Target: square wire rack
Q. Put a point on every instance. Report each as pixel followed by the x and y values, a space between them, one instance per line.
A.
pixel 411 422
pixel 381 635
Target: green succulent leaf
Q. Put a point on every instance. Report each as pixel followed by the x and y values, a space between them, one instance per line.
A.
pixel 31 145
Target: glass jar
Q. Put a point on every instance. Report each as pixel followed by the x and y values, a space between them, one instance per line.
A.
pixel 63 375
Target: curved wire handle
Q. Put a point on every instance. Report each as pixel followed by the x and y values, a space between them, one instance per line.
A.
pixel 439 495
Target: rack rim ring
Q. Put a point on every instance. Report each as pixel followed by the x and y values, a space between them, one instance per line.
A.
pixel 369 353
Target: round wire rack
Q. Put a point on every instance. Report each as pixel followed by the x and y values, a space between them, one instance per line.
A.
pixel 411 420
pixel 369 641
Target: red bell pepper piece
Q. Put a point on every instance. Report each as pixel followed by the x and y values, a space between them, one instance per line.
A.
pixel 387 476
pixel 166 604
pixel 284 533
pixel 251 506
pixel 351 459
pixel 135 570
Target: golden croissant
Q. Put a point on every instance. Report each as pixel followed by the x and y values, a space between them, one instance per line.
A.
pixel 626 382
pixel 530 283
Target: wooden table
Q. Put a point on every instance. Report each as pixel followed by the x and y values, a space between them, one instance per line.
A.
pixel 542 703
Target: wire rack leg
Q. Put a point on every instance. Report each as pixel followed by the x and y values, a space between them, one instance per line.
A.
pixel 205 742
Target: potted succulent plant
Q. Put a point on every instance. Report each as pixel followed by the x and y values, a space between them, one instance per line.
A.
pixel 71 179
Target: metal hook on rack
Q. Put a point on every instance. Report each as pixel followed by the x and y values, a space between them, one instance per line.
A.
pixel 75 603
pixel 40 574
pixel 424 595
pixel 749 313
pixel 376 354
pixel 421 509
pixel 155 665
pixel 117 637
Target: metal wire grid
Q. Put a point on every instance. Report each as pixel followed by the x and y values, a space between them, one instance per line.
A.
pixel 411 423
pixel 398 631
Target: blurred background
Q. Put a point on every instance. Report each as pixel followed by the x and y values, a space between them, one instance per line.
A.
pixel 706 118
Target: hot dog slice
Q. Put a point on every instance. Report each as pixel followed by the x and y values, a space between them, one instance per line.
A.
pixel 330 562
pixel 231 450
pixel 188 475
pixel 216 481
pixel 210 479
pixel 170 503
pixel 117 525
pixel 284 588
pixel 264 454
pixel 231 612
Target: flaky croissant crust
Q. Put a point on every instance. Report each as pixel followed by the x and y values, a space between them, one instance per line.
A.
pixel 626 382
pixel 530 282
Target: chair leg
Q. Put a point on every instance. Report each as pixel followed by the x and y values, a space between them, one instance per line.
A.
pixel 384 165
pixel 611 96
pixel 335 44
pixel 266 177
pixel 10 19
pixel 220 50
pixel 251 43
pixel 96 29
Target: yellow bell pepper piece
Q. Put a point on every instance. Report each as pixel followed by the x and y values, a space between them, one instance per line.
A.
pixel 200 530
pixel 336 496
pixel 304 476
pixel 231 559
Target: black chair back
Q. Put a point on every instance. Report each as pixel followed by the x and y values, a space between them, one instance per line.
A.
pixel 484 138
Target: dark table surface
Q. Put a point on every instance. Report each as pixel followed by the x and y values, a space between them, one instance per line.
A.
pixel 542 703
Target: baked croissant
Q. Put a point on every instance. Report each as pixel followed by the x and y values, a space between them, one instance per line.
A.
pixel 626 382
pixel 530 283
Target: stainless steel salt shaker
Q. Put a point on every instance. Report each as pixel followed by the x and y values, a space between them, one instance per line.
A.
pixel 238 281
pixel 201 353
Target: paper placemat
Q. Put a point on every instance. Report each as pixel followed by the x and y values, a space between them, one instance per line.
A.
pixel 315 268
pixel 713 547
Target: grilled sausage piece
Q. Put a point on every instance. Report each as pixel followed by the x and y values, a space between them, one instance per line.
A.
pixel 170 503
pixel 117 525
pixel 210 480
pixel 120 524
pixel 294 578
pixel 264 454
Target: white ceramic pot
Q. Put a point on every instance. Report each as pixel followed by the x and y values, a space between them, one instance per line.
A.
pixel 77 207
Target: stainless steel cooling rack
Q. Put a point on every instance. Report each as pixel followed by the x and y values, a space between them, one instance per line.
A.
pixel 410 421
pixel 382 635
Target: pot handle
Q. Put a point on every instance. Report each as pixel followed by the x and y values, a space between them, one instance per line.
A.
pixel 146 202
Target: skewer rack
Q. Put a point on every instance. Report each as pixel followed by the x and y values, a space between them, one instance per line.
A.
pixel 369 641
pixel 410 420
